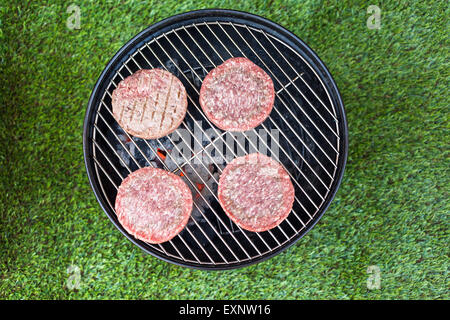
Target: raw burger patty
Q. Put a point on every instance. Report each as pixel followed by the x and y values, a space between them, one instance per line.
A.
pixel 256 192
pixel 237 95
pixel 149 104
pixel 154 205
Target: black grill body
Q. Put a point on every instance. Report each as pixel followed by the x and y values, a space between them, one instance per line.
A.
pixel 306 132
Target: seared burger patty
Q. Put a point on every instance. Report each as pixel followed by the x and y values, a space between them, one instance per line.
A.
pixel 149 104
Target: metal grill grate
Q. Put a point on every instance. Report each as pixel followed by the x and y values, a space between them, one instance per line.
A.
pixel 307 127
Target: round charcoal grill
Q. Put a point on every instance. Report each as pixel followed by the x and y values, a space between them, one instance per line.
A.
pixel 306 132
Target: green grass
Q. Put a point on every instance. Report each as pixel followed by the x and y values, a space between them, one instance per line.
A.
pixel 391 210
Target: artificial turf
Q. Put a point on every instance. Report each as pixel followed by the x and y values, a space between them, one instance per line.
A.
pixel 391 210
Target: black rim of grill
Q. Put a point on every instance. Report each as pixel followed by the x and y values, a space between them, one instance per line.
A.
pixel 307 128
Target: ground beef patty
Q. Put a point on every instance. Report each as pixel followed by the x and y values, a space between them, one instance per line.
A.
pixel 154 205
pixel 149 104
pixel 256 192
pixel 237 95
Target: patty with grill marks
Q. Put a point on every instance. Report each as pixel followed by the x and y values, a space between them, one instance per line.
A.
pixel 149 104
